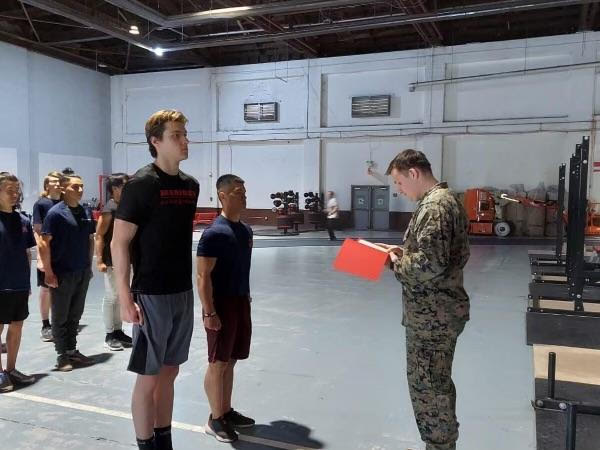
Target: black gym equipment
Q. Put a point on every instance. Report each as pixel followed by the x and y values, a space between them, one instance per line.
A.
pixel 569 408
pixel 285 205
pixel 579 281
pixel 313 203
pixel 571 280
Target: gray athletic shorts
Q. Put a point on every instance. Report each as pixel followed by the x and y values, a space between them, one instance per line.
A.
pixel 164 338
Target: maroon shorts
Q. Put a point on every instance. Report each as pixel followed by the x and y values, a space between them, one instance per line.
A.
pixel 232 341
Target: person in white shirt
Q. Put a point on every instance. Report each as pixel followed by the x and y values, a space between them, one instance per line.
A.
pixel 332 211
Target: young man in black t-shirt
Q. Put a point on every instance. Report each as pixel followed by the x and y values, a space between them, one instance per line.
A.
pixel 223 274
pixel 67 251
pixel 48 198
pixel 115 339
pixel 153 231
pixel 16 239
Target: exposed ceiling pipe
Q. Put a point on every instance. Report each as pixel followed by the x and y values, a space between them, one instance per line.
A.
pixel 510 73
pixel 61 9
pixel 212 15
pixel 81 60
pixel 458 13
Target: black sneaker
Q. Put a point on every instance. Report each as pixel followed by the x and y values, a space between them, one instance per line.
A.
pixel 76 356
pixel 112 343
pixel 20 378
pixel 46 334
pixel 63 363
pixel 125 340
pixel 5 383
pixel 238 420
pixel 221 430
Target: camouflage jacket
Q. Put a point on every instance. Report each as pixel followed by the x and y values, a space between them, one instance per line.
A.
pixel 436 249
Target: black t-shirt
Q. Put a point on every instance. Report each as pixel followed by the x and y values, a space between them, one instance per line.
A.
pixel 16 236
pixel 70 229
pixel 41 208
pixel 110 208
pixel 163 208
pixel 231 243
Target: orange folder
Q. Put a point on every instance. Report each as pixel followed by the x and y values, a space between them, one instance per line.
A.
pixel 361 258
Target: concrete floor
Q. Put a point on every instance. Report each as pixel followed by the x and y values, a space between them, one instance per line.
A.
pixel 327 366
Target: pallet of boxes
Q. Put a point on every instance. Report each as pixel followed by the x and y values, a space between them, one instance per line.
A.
pixel 535 214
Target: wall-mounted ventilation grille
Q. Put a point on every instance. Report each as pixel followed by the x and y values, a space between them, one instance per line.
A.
pixel 261 112
pixel 371 106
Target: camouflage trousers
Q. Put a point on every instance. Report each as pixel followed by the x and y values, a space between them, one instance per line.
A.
pixel 432 393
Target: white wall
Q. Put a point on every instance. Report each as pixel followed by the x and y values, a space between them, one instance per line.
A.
pixel 265 167
pixel 135 98
pixel 496 130
pixel 501 160
pixel 344 164
pixel 52 107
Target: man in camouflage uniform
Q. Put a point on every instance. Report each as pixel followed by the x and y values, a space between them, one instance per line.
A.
pixel 436 305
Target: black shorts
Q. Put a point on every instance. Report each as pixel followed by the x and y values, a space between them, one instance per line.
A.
pixel 40 279
pixel 232 341
pixel 13 306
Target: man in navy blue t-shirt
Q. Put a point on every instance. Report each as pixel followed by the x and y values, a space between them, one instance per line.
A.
pixel 67 250
pixel 223 272
pixel 16 239
pixel 48 198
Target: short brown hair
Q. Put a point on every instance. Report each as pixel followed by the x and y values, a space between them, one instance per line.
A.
pixel 66 179
pixel 227 180
pixel 116 180
pixel 53 174
pixel 7 176
pixel 155 125
pixel 409 159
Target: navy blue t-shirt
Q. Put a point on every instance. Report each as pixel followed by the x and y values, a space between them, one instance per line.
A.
pixel 41 208
pixel 231 243
pixel 70 229
pixel 16 236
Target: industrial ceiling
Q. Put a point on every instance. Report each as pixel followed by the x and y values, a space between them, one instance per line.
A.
pixel 132 36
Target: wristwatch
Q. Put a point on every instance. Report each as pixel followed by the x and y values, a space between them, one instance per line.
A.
pixel 212 314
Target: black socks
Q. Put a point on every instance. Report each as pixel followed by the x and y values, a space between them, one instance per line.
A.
pixel 162 437
pixel 45 323
pixel 146 444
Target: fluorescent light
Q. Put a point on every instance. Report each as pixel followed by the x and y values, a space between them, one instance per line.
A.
pixel 102 65
pixel 134 30
pixel 158 51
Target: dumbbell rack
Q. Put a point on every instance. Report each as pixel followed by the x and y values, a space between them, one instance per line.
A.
pixel 287 210
pixel 314 206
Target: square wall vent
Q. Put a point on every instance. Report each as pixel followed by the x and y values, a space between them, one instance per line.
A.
pixel 261 112
pixel 371 106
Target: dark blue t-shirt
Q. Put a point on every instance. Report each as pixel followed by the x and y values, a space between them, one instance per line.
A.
pixel 41 208
pixel 231 243
pixel 70 229
pixel 16 236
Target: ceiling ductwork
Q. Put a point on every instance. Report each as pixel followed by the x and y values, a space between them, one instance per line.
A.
pixel 236 12
pixel 298 32
pixel 81 17
pixel 466 12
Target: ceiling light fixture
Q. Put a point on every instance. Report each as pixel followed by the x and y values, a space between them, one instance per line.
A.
pixel 134 30
pixel 158 51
